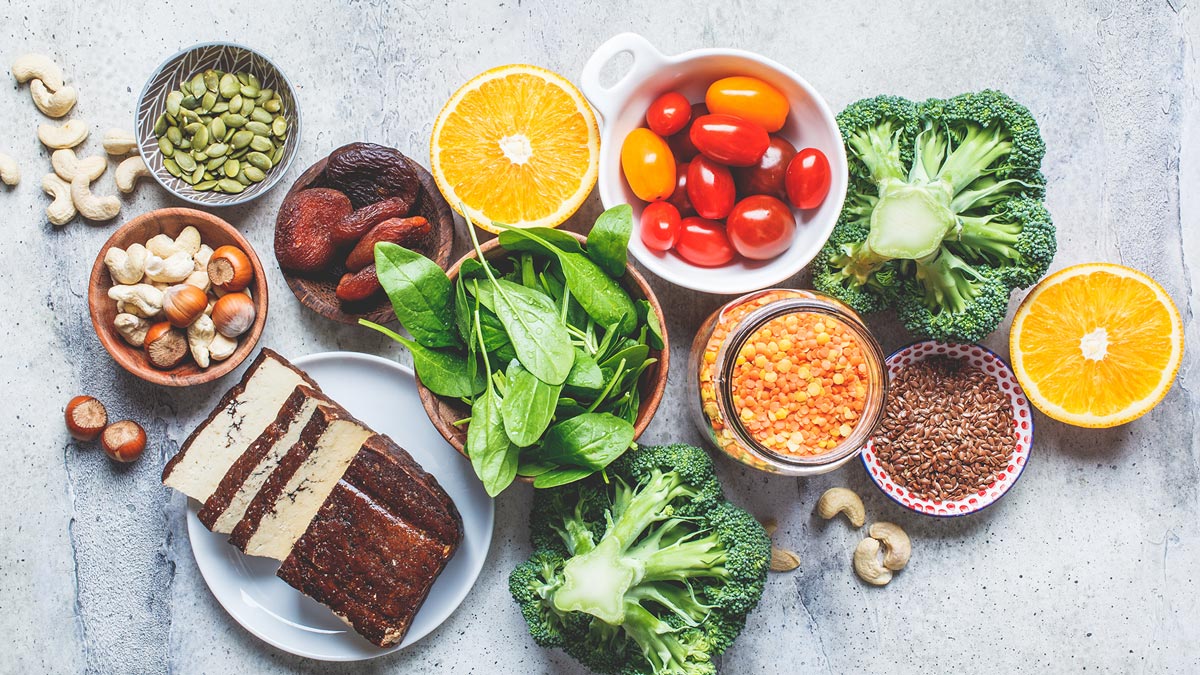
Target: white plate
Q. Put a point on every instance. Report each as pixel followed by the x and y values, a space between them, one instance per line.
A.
pixel 383 394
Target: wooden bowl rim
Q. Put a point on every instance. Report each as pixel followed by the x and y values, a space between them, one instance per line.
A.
pixel 304 288
pixel 99 282
pixel 434 406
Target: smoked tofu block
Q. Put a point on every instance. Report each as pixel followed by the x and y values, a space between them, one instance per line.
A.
pixel 241 416
pixel 377 545
pixel 300 483
pixel 250 472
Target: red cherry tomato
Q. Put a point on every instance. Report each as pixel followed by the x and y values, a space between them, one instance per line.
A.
pixel 808 179
pixel 749 98
pixel 679 198
pixel 681 143
pixel 669 114
pixel 660 226
pixel 703 242
pixel 767 176
pixel 761 227
pixel 729 140
pixel 648 165
pixel 710 188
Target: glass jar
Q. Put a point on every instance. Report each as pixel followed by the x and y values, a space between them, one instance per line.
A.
pixel 787 381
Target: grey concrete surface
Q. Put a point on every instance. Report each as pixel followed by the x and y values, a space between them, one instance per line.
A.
pixel 1090 564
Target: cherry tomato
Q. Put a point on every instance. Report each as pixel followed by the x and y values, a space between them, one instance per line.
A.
pixel 679 198
pixel 669 114
pixel 761 227
pixel 681 143
pixel 729 140
pixel 648 165
pixel 703 242
pixel 808 179
pixel 710 188
pixel 749 98
pixel 660 226
pixel 766 177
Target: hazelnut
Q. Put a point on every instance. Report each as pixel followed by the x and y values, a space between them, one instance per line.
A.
pixel 86 418
pixel 124 441
pixel 233 314
pixel 229 269
pixel 165 346
pixel 183 304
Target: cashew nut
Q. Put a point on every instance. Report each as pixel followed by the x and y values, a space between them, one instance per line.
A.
pixel 68 135
pixel 62 209
pixel 128 173
pixel 189 240
pixel 38 66
pixel 221 347
pixel 146 299
pixel 93 206
pixel 67 165
pixel 842 500
pixel 162 245
pixel 10 173
pixel 866 563
pixel 202 256
pixel 783 560
pixel 52 104
pixel 132 327
pixel 199 336
pixel 897 547
pixel 126 266
pixel 199 279
pixel 172 269
pixel 119 142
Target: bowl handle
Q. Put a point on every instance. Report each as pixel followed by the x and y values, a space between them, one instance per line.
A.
pixel 609 100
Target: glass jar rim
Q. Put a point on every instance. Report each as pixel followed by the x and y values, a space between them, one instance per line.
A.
pixel 748 325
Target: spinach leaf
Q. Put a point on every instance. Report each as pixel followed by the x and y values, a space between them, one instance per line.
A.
pixel 633 355
pixel 585 373
pixel 420 294
pixel 492 455
pixel 538 335
pixel 590 440
pixel 560 476
pixel 648 316
pixel 513 239
pixel 608 242
pixel 533 469
pixel 528 405
pixel 567 408
pixel 444 373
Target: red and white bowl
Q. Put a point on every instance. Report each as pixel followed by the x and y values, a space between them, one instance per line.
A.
pixel 985 359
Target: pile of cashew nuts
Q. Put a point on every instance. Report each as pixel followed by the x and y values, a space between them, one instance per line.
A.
pixel 70 184
pixel 882 536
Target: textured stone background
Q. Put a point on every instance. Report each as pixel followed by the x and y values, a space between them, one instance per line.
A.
pixel 1089 564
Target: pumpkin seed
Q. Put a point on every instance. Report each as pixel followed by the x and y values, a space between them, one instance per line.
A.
pixel 174 135
pixel 252 81
pixel 241 139
pixel 233 120
pixel 243 78
pixel 160 125
pixel 279 126
pixel 216 127
pixel 247 107
pixel 220 107
pixel 261 144
pixel 230 185
pixel 166 147
pixel 190 102
pixel 198 86
pixel 184 144
pixel 214 163
pixel 185 114
pixel 259 160
pixel 198 175
pixel 211 80
pixel 209 100
pixel 173 100
pixel 254 174
pixel 265 94
pixel 232 167
pixel 200 135
pixel 185 161
pixel 235 103
pixel 277 156
pixel 229 85
pixel 250 90
pixel 217 150
pixel 273 106
pixel 261 116
pixel 242 178
pixel 172 168
pixel 204 185
pixel 258 128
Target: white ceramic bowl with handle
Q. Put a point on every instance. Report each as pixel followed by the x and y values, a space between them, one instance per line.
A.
pixel 622 108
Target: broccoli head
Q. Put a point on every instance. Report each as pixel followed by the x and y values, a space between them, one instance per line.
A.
pixel 944 216
pixel 645 570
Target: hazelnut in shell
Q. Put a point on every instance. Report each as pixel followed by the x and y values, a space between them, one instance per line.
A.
pixel 183 304
pixel 229 269
pixel 86 418
pixel 124 441
pixel 165 346
pixel 233 314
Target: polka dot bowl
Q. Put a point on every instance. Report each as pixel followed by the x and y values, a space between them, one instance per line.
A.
pixel 990 363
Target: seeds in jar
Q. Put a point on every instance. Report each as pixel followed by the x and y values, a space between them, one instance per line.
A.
pixel 213 122
pixel 947 429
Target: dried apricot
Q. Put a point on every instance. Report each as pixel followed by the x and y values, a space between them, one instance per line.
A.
pixel 368 173
pixel 354 226
pixel 358 286
pixel 403 231
pixel 302 229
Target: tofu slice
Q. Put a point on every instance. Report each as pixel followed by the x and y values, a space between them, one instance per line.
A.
pixel 303 479
pixel 242 415
pixel 249 473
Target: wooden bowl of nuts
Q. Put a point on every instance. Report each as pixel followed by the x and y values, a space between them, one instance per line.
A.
pixel 178 297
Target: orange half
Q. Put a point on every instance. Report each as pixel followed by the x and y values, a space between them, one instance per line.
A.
pixel 516 145
pixel 1096 345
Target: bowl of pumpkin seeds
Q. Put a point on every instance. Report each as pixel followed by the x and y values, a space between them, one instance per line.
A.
pixel 217 124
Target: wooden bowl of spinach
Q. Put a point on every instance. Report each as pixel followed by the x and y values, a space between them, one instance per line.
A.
pixel 558 344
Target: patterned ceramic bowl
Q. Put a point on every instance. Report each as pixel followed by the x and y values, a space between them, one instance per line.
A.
pixel 986 360
pixel 182 67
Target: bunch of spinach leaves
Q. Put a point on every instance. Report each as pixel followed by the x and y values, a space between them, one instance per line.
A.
pixel 543 344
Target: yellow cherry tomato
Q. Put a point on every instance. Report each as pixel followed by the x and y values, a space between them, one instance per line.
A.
pixel 749 98
pixel 648 165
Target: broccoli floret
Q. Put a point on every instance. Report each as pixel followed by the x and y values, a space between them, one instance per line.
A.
pixel 944 214
pixel 658 581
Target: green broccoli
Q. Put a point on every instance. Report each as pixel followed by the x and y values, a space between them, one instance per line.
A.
pixel 646 570
pixel 944 216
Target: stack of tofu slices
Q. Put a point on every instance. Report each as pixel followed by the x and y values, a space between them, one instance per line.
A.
pixel 357 524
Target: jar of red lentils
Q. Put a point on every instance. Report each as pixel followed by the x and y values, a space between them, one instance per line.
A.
pixel 787 381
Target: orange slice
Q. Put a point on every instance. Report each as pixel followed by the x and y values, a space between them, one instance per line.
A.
pixel 1096 345
pixel 517 145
